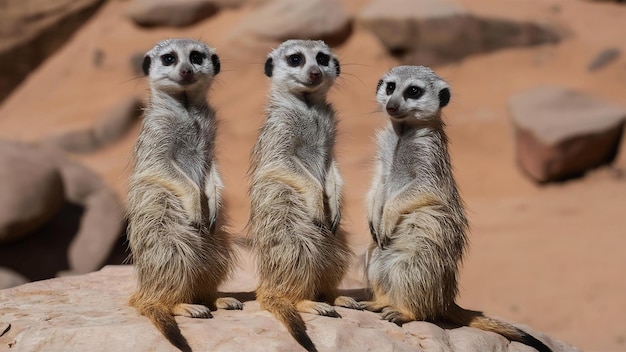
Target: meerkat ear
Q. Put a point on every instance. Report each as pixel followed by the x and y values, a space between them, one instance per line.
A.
pixel 444 97
pixel 337 67
pixel 380 83
pixel 269 67
pixel 216 64
pixel 145 66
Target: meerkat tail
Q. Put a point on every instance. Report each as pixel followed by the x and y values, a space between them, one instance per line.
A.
pixel 286 312
pixel 477 320
pixel 163 319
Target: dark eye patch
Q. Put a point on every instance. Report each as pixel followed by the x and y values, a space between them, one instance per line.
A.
pixel 413 92
pixel 391 87
pixel 168 59
pixel 196 57
pixel 322 59
pixel 295 60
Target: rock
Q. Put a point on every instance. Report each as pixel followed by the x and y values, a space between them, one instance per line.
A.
pixel 116 122
pixel 435 32
pixel 79 234
pixel 113 125
pixel 31 189
pixel 276 21
pixel 562 133
pixel 91 313
pixel 9 278
pixel 604 58
pixel 172 13
pixel 30 31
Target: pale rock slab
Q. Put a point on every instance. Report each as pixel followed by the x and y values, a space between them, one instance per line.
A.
pixel 432 32
pixel 90 313
pixel 562 133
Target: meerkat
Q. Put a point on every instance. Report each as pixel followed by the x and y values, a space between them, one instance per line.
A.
pixel 180 251
pixel 295 193
pixel 416 216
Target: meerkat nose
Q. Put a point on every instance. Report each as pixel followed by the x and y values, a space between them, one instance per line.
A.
pixel 315 74
pixel 186 71
pixel 392 109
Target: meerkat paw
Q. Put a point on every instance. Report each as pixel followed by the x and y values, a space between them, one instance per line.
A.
pixel 318 308
pixel 395 316
pixel 373 306
pixel 192 311
pixel 229 303
pixel 348 302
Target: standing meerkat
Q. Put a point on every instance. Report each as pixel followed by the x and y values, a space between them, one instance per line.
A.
pixel 295 192
pixel 180 252
pixel 416 215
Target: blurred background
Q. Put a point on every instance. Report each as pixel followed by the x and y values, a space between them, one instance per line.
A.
pixel 535 126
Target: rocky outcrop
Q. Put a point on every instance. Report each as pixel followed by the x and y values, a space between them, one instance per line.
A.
pixel 31 189
pixel 171 13
pixel 111 126
pixel 276 21
pixel 32 30
pixel 69 219
pixel 90 313
pixel 442 31
pixel 562 133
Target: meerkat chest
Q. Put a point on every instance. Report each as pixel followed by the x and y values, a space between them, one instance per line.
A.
pixel 406 164
pixel 313 146
pixel 191 150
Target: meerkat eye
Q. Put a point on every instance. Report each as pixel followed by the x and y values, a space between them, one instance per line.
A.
pixel 322 59
pixel 413 92
pixel 294 60
pixel 168 59
pixel 391 86
pixel 196 57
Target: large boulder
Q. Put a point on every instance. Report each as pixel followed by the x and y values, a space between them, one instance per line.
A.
pixel 276 21
pixel 562 133
pixel 31 30
pixel 31 190
pixel 91 313
pixel 171 13
pixel 432 32
pixel 56 216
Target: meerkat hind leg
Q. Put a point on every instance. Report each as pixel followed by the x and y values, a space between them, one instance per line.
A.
pixel 319 308
pixel 192 311
pixel 229 303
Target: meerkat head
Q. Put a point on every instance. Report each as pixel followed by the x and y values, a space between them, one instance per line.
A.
pixel 412 92
pixel 180 65
pixel 302 66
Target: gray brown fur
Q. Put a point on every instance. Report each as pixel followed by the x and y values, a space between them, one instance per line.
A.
pixel 294 228
pixel 180 251
pixel 416 216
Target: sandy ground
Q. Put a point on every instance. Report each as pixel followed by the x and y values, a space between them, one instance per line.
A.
pixel 551 257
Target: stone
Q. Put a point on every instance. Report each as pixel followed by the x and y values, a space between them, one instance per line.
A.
pixel 433 32
pixel 31 188
pixel 82 227
pixel 275 21
pixel 604 58
pixel 91 313
pixel 32 30
pixel 171 13
pixel 111 126
pixel 562 133
pixel 118 120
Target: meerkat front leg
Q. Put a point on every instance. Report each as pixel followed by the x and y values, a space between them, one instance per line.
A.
pixel 404 202
pixel 212 188
pixel 375 201
pixel 334 186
